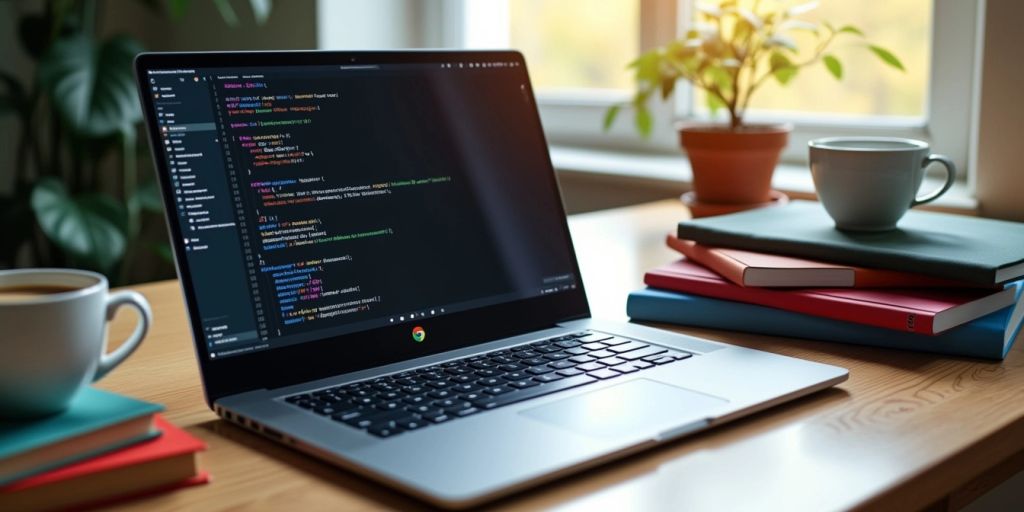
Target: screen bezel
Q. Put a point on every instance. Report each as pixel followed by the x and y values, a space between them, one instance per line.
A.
pixel 318 359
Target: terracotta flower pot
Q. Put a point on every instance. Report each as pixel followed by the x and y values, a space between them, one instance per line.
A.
pixel 733 167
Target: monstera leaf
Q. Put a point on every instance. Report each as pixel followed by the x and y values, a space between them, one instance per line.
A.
pixel 89 228
pixel 91 83
pixel 147 198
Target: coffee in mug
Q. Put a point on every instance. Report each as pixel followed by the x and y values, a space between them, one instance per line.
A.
pixel 53 334
pixel 21 293
pixel 868 183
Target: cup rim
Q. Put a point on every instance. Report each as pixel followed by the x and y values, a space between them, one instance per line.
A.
pixel 100 284
pixel 912 144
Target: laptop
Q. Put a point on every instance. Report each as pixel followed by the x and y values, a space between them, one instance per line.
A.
pixel 378 272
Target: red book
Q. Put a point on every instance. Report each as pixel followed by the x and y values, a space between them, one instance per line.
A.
pixel 749 268
pixel 165 463
pixel 923 311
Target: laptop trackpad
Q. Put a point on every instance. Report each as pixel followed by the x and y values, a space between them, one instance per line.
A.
pixel 631 408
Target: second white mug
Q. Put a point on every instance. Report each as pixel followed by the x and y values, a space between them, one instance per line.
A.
pixel 868 183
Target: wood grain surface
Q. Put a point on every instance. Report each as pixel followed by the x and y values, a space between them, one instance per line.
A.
pixel 907 431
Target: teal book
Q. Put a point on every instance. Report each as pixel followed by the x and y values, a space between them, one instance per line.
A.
pixel 984 252
pixel 988 337
pixel 97 422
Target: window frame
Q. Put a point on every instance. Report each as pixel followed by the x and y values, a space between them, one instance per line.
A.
pixel 575 118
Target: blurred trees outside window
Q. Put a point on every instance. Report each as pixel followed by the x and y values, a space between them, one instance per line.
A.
pixel 581 44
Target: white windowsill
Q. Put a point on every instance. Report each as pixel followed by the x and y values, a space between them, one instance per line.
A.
pixel 647 167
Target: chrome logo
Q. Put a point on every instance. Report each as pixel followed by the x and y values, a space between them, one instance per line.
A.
pixel 418 334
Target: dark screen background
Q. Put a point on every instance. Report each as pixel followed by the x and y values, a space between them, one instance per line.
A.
pixel 365 196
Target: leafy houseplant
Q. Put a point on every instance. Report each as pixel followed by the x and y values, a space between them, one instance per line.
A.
pixel 730 54
pixel 77 198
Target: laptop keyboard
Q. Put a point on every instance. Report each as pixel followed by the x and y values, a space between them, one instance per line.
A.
pixel 414 399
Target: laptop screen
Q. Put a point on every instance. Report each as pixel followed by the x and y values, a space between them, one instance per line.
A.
pixel 318 201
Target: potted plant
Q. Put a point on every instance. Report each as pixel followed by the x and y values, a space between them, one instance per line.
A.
pixel 730 54
pixel 77 113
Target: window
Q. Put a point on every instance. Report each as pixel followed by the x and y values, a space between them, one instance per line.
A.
pixel 576 46
pixel 577 51
pixel 868 89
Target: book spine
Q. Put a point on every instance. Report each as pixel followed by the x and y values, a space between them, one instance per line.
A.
pixel 965 271
pixel 878 315
pixel 981 338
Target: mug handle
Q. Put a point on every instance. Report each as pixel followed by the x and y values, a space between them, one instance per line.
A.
pixel 114 302
pixel 950 178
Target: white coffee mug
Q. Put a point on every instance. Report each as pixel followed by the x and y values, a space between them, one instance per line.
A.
pixel 868 183
pixel 53 342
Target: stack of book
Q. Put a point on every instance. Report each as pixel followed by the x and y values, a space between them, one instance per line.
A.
pixel 940 283
pixel 103 449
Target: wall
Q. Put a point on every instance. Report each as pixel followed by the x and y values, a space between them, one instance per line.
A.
pixel 1000 184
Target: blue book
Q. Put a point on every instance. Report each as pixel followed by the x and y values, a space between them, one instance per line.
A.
pixel 988 337
pixel 96 422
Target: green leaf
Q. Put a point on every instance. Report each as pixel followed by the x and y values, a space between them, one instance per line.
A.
pixel 719 77
pixel 785 75
pixel 648 67
pixel 742 30
pixel 163 250
pixel 226 12
pixel 749 18
pixel 261 10
pixel 88 228
pixel 782 68
pixel 834 66
pixel 715 103
pixel 610 115
pixel 91 83
pixel 887 57
pixel 644 121
pixel 178 8
pixel 850 29
pixel 715 47
pixel 679 51
pixel 147 197
pixel 668 85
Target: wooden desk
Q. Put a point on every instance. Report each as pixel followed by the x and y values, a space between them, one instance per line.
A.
pixel 907 430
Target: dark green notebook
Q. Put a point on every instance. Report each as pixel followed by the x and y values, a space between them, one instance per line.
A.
pixel 970 249
pixel 96 422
